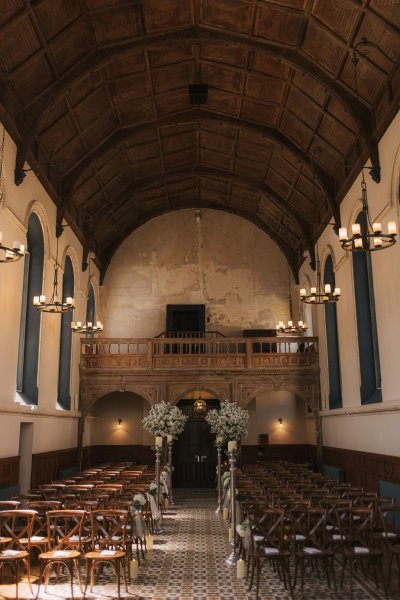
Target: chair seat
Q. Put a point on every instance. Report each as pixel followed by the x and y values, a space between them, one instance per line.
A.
pixel 98 555
pixel 36 540
pixel 59 555
pixel 7 555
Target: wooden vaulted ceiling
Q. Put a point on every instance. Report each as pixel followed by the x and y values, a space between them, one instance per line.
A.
pixel 95 94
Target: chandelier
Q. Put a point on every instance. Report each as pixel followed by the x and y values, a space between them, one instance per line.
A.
pixel 55 304
pixel 321 293
pixel 88 328
pixel 291 327
pixel 8 255
pixel 367 236
pixel 200 405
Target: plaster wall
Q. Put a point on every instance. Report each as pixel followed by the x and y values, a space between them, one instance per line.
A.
pixel 267 408
pixel 354 426
pixel 106 412
pixel 217 259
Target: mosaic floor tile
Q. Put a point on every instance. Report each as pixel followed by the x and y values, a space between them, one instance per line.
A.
pixel 188 563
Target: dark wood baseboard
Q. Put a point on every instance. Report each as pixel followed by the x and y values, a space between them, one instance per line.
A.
pixel 302 453
pixel 364 468
pixel 9 471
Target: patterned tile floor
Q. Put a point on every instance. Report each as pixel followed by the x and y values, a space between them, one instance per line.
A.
pixel 188 563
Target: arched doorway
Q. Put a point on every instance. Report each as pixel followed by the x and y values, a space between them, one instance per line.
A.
pixel 195 456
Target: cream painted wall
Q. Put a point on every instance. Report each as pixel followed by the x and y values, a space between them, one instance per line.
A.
pixel 267 408
pixel 53 429
pixel 220 260
pixel 106 412
pixel 365 430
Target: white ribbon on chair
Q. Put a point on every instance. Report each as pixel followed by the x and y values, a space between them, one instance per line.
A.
pixel 155 513
pixel 139 525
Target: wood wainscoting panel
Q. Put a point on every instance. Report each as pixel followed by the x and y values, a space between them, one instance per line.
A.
pixel 301 453
pixel 142 455
pixel 364 468
pixel 46 465
pixel 9 471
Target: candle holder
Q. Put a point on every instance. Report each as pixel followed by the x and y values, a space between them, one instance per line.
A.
pixel 157 527
pixel 233 557
pixel 171 498
pixel 219 451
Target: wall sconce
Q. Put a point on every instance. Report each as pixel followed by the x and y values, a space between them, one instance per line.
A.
pixel 119 422
pixel 280 421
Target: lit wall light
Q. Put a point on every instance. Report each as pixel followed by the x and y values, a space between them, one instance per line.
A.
pixel 280 421
pixel 119 422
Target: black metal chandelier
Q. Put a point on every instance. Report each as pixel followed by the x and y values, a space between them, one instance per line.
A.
pixel 9 255
pixel 291 327
pixel 56 304
pixel 321 293
pixel 87 328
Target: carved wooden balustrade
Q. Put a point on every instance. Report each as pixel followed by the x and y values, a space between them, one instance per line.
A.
pixel 219 354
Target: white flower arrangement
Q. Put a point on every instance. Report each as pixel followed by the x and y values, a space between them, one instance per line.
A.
pixel 153 489
pixel 230 422
pixel 139 501
pixel 164 420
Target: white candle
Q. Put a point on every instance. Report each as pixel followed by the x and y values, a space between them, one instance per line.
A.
pixel 337 291
pixel 358 243
pixel 392 229
pixel 16 245
pixel 69 300
pixel 226 513
pixel 170 439
pixel 377 242
pixel 73 324
pixel 159 441
pixel 328 288
pixel 301 324
pixel 376 227
pixel 42 299
pixel 232 446
pixel 290 323
pixel 313 291
pixel 79 324
pixel 90 324
pixel 230 534
pixel 133 569
pixel 356 229
pixel 36 300
pixel 149 542
pixel 240 569
pixel 342 233
pixel 22 249
pixel 303 293
pixel 99 325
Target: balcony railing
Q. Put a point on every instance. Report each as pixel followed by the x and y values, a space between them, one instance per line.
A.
pixel 206 353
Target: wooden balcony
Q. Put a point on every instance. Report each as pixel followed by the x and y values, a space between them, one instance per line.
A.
pixel 192 354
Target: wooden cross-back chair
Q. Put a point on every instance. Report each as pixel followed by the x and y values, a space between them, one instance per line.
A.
pixel 109 545
pixel 64 532
pixel 15 533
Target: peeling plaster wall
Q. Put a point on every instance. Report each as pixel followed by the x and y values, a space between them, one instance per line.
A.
pixel 219 260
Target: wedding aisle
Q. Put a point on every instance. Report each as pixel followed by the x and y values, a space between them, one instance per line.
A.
pixel 188 563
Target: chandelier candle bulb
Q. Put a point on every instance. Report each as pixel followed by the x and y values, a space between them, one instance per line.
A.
pixel 303 293
pixel 69 300
pixel 313 291
pixel 342 233
pixel 377 242
pixel 356 229
pixel 35 300
pixel 240 569
pixel 301 324
pixel 328 288
pixel 290 323
pixel 376 227
pixel 232 446
pixel 358 243
pixel 337 291
pixel 42 299
pixel 392 229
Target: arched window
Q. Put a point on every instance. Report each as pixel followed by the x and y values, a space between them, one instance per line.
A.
pixel 64 368
pixel 366 325
pixel 28 351
pixel 332 342
pixel 91 306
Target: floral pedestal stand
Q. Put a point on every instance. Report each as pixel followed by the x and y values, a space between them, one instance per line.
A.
pixel 171 498
pixel 157 527
pixel 233 557
pixel 219 509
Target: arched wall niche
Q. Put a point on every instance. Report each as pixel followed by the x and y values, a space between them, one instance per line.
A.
pixel 37 207
pixel 128 406
pixel 71 252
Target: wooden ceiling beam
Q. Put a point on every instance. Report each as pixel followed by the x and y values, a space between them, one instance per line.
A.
pixel 30 117
pixel 214 172
pixel 294 259
pixel 279 139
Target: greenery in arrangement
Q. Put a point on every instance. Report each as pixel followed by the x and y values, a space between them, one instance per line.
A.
pixel 230 422
pixel 164 420
pixel 138 501
pixel 153 489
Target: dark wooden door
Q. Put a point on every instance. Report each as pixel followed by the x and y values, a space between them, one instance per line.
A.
pixel 195 456
pixel 185 317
